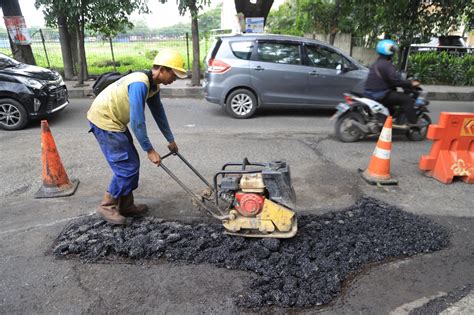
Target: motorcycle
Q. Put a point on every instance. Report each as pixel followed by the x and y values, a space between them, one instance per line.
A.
pixel 360 117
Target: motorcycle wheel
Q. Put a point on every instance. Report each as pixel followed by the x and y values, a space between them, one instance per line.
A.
pixel 346 134
pixel 419 134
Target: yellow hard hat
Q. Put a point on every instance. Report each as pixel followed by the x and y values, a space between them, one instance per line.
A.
pixel 172 59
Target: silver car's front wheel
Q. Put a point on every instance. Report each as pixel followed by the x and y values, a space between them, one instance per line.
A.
pixel 241 103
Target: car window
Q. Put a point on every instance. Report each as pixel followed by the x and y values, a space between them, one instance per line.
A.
pixel 287 53
pixel 242 50
pixel 213 50
pixel 322 57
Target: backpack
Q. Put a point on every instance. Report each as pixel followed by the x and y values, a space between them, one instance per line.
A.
pixel 107 78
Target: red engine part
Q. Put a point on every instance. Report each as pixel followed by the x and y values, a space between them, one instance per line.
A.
pixel 249 204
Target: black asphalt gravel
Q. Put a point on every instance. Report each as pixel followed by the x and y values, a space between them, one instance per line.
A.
pixel 304 271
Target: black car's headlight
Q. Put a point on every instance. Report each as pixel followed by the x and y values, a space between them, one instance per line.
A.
pixel 32 83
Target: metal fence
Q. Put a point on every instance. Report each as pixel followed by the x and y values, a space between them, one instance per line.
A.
pixel 123 52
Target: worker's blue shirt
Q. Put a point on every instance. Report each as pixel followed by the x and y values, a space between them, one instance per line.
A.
pixel 137 93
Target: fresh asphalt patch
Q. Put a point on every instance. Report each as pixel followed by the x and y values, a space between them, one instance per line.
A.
pixel 306 270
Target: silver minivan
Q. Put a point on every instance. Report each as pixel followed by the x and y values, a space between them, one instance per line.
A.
pixel 247 71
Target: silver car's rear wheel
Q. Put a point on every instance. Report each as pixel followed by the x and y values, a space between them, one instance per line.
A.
pixel 12 115
pixel 241 103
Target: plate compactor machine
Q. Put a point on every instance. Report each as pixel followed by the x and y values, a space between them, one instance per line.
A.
pixel 250 199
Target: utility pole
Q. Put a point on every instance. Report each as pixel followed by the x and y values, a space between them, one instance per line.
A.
pixel 22 53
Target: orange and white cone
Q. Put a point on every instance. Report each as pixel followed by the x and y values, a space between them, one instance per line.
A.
pixel 378 171
pixel 56 183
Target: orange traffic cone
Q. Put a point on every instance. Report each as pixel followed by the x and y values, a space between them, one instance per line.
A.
pixel 55 180
pixel 378 171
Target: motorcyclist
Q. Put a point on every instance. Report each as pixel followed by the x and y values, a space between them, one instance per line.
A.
pixel 383 80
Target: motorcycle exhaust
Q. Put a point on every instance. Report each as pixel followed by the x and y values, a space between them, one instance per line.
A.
pixel 358 125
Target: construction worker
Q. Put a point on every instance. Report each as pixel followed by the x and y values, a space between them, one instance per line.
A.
pixel 383 80
pixel 119 104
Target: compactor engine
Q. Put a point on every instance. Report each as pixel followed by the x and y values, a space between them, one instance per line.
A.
pixel 250 199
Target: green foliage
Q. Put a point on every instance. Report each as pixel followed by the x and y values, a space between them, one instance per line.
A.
pixel 298 17
pixel 180 28
pixel 107 17
pixel 128 55
pixel 209 20
pixel 403 20
pixel 442 68
pixel 282 20
pixel 192 5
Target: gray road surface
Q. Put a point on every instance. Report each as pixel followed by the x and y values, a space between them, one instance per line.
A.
pixel 325 178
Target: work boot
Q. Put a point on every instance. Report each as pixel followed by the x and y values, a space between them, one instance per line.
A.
pixel 128 208
pixel 109 211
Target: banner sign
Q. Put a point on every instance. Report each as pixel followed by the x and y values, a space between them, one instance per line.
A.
pixel 254 25
pixel 17 30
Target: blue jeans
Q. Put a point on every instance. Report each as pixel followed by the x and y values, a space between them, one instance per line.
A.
pixel 122 157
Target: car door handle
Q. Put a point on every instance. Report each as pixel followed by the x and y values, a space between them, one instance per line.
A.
pixel 258 68
pixel 313 73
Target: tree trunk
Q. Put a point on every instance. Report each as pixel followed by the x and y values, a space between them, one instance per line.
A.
pixel 403 58
pixel 334 22
pixel 83 52
pixel 196 71
pixel 332 37
pixel 22 53
pixel 260 9
pixel 73 40
pixel 66 52
pixel 82 76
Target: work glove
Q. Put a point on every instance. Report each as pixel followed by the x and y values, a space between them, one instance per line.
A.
pixel 154 157
pixel 173 147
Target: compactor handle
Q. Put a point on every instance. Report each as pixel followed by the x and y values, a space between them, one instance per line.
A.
pixel 197 199
pixel 190 167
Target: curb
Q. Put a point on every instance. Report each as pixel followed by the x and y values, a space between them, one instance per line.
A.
pixel 451 96
pixel 198 92
pixel 191 92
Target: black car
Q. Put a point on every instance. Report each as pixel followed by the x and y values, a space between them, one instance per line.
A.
pixel 28 92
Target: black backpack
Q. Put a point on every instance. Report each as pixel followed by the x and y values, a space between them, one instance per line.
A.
pixel 107 78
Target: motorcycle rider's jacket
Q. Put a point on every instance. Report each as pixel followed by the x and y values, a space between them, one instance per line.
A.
pixel 382 79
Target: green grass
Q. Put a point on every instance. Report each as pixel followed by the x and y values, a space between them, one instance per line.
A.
pixel 128 55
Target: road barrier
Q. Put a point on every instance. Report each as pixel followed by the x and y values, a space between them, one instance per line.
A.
pixel 378 171
pixel 56 183
pixel 452 152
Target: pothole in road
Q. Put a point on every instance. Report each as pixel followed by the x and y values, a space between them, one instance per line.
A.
pixel 304 271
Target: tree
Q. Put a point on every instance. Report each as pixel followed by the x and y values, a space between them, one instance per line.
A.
pixel 193 6
pixel 309 16
pixel 22 53
pixel 328 16
pixel 207 21
pixel 107 17
pixel 401 20
pixel 282 20
pixel 406 20
pixel 260 8
pixel 210 20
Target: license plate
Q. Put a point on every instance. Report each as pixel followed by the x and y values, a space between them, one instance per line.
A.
pixel 341 109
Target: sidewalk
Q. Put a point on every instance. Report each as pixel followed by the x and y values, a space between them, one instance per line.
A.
pixel 179 88
pixel 183 88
